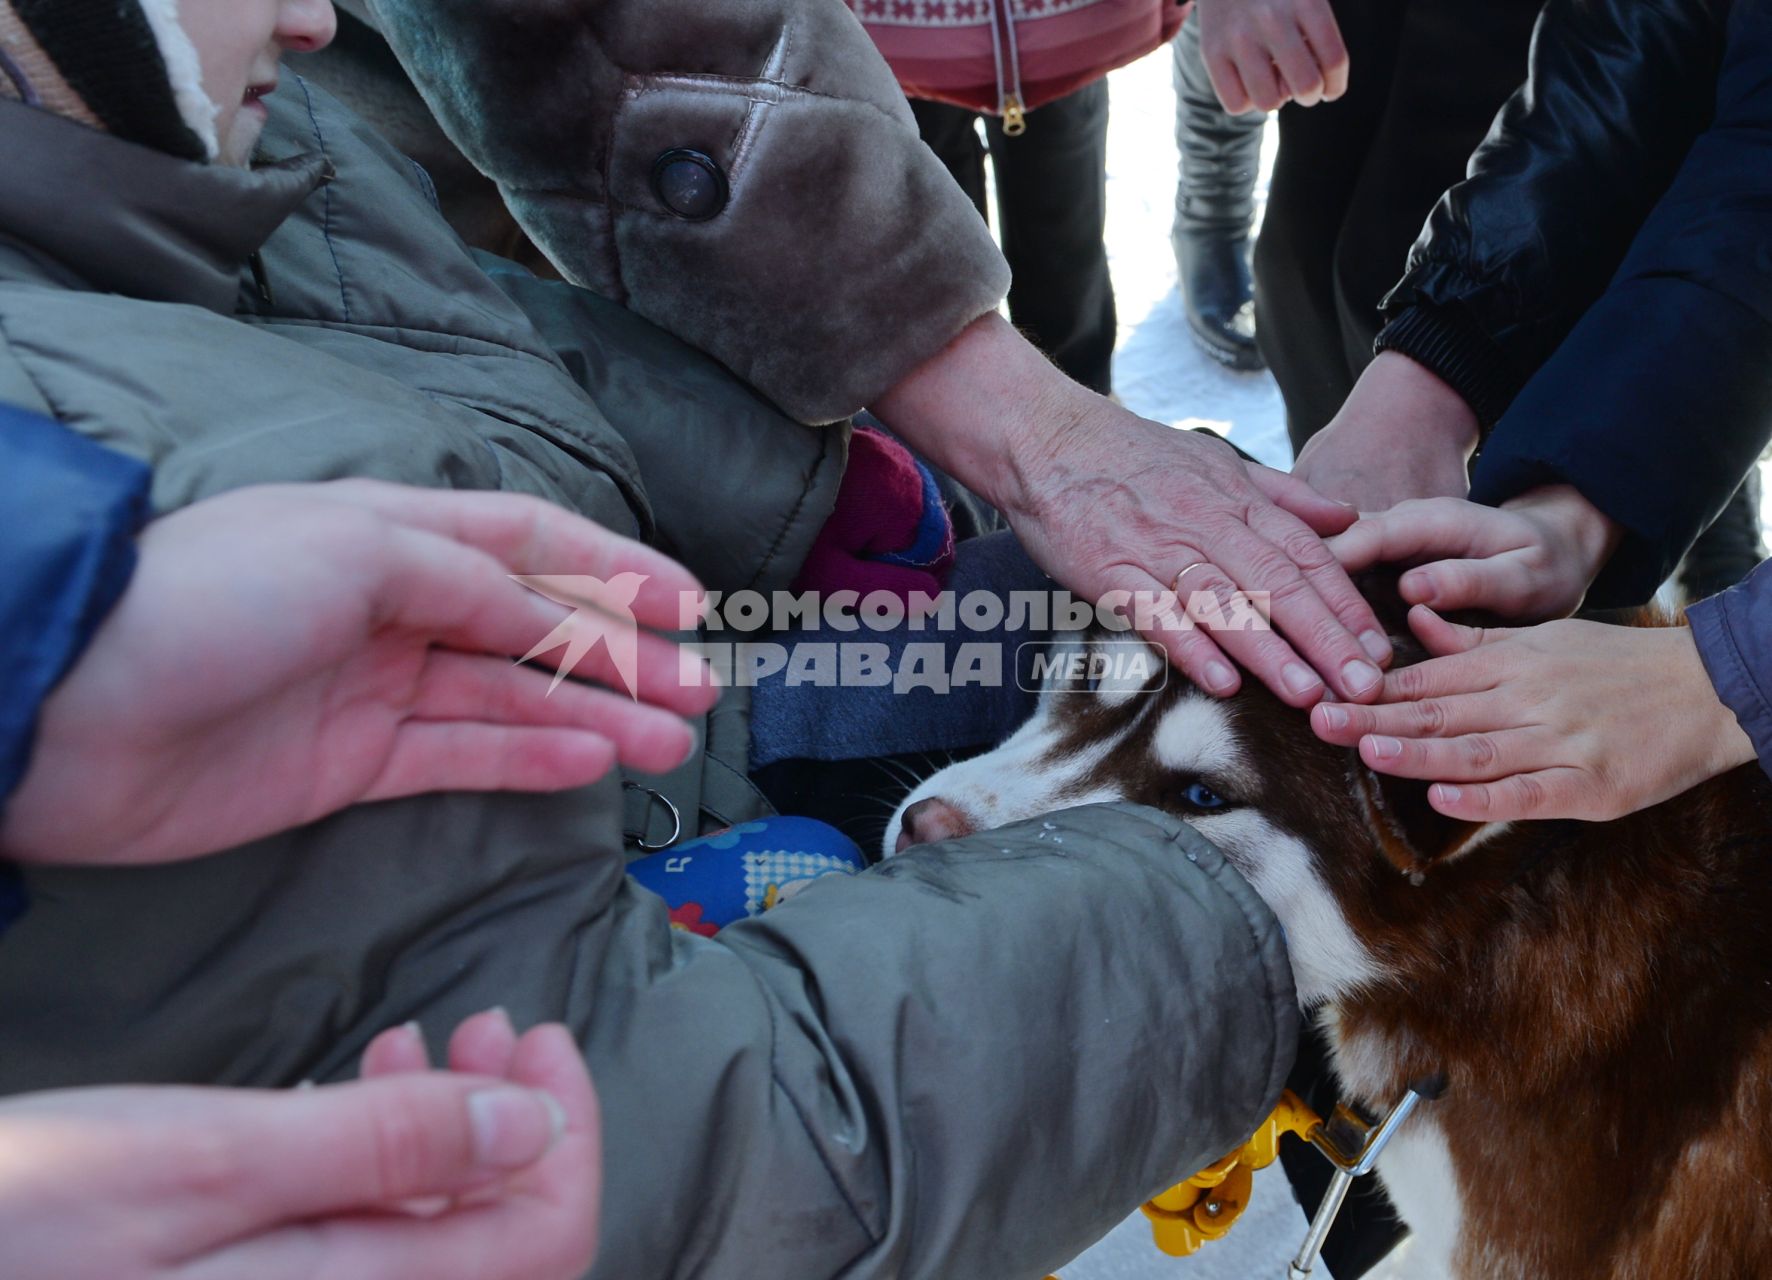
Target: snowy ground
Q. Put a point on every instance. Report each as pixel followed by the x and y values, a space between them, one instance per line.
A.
pixel 1160 373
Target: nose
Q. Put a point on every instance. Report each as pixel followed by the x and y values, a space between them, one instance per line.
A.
pixel 930 820
pixel 306 26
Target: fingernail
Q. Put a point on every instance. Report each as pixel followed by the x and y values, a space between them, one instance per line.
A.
pixel 556 1117
pixel 1446 793
pixel 1377 647
pixel 1417 587
pixel 1361 676
pixel 1333 716
pixel 1219 677
pixel 1384 748
pixel 502 1015
pixel 512 1127
pixel 1299 679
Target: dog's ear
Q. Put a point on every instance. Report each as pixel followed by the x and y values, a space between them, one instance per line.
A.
pixel 1411 833
pixel 1379 586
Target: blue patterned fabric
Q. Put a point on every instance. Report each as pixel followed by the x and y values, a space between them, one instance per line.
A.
pixel 744 870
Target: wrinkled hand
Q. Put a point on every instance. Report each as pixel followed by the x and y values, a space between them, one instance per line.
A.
pixel 1401 434
pixel 491 1169
pixel 1262 54
pixel 1563 720
pixel 1158 500
pixel 1531 558
pixel 284 652
pixel 1106 501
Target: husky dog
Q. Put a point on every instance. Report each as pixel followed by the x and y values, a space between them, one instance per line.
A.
pixel 1597 996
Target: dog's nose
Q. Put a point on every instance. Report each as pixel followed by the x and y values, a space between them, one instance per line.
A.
pixel 930 820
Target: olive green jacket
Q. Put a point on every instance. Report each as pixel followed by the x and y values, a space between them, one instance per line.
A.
pixel 967 1064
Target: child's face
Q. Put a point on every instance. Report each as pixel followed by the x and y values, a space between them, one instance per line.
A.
pixel 240 43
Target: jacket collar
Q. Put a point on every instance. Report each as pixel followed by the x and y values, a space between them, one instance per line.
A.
pixel 112 216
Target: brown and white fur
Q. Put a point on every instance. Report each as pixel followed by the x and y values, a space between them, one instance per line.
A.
pixel 1598 996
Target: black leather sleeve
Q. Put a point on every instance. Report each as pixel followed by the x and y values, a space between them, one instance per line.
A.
pixel 1660 398
pixel 1512 256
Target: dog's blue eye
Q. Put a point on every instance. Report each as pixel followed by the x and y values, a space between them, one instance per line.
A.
pixel 1201 796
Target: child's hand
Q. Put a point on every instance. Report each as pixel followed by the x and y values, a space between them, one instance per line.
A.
pixel 1262 54
pixel 285 651
pixel 1564 720
pixel 502 1151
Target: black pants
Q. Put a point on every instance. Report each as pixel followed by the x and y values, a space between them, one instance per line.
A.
pixel 1052 213
pixel 1355 180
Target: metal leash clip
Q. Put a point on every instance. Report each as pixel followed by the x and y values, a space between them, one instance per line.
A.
pixel 1353 1147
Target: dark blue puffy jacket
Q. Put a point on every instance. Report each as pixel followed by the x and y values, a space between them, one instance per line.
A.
pixel 71 510
pixel 1600 287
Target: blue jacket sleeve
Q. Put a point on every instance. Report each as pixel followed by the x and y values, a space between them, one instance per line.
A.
pixel 72 512
pixel 1661 398
pixel 1734 635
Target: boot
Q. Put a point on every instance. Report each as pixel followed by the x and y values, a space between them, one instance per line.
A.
pixel 1730 549
pixel 1214 210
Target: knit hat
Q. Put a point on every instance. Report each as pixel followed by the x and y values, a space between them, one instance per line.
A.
pixel 124 66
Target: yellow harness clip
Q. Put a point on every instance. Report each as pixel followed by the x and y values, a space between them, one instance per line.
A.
pixel 1203 1208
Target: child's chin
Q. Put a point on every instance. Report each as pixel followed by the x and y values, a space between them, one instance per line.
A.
pixel 242 137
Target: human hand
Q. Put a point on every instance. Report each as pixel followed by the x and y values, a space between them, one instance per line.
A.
pixel 1531 558
pixel 1563 720
pixel 1106 501
pixel 284 652
pixel 1402 433
pixel 1262 54
pixel 493 1171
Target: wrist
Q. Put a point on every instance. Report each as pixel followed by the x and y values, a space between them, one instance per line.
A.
pixel 1420 402
pixel 1448 340
pixel 993 412
pixel 1588 534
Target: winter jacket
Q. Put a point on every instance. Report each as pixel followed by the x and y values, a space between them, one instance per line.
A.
pixel 72 510
pixel 968 1063
pixel 1734 634
pixel 819 251
pixel 1599 288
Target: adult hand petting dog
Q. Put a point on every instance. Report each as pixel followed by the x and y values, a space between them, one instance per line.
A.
pixel 1106 501
pixel 493 1168
pixel 1262 54
pixel 1567 719
pixel 1532 558
pixel 1401 434
pixel 284 652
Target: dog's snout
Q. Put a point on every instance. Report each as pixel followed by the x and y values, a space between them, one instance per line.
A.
pixel 931 820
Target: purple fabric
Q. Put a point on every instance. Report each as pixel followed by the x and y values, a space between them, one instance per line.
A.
pixel 889 531
pixel 1734 635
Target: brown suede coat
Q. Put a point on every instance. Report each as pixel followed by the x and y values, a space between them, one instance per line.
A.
pixel 846 255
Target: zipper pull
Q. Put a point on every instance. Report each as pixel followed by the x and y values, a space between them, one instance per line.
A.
pixel 1015 116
